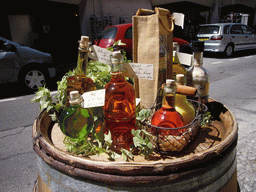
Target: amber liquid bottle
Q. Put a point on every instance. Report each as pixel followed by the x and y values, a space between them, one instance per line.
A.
pixel 119 109
pixel 167 116
pixel 80 82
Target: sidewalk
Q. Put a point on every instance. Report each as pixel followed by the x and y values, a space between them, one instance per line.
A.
pixel 246 148
pixel 17 160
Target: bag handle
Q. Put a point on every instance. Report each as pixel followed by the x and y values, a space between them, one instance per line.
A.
pixel 169 17
pixel 144 12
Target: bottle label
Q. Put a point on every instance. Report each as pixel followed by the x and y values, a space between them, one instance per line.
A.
pixel 100 54
pixel 139 70
pixel 202 88
pixel 94 98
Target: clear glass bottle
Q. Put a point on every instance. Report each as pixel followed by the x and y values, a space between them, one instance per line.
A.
pixel 80 81
pixel 75 121
pixel 119 109
pixel 197 75
pixel 167 116
pixel 182 105
pixel 177 67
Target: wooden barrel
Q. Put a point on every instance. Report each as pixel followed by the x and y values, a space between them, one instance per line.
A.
pixel 208 163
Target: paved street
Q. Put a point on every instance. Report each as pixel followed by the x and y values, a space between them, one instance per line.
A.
pixel 232 83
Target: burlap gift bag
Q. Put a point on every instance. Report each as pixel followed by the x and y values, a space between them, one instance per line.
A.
pixel 152 44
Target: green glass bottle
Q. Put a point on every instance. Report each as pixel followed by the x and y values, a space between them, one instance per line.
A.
pixel 75 121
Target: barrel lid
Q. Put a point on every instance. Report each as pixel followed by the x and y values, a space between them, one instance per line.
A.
pixel 206 145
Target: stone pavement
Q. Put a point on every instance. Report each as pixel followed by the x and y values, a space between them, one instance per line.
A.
pixel 246 149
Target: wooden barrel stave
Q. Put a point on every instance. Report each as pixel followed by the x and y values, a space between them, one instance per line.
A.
pixel 201 181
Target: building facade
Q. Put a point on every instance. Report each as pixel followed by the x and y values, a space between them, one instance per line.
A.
pixel 54 26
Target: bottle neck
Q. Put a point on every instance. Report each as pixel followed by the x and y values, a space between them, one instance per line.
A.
pixel 117 67
pixel 82 62
pixel 198 58
pixel 169 93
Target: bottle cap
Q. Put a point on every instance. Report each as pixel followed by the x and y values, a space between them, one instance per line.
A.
pixel 180 78
pixel 170 86
pixel 116 57
pixel 75 97
pixel 197 46
pixel 170 81
pixel 84 42
pixel 74 94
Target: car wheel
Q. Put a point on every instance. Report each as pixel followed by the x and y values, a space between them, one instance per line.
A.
pixel 32 79
pixel 229 50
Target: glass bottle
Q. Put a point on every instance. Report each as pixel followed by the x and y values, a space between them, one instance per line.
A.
pixel 182 105
pixel 75 121
pixel 177 67
pixel 79 81
pixel 119 109
pixel 197 75
pixel 167 116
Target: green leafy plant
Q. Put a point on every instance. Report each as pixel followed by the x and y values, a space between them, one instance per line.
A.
pixel 207 119
pixel 142 143
pixel 143 114
pixel 99 73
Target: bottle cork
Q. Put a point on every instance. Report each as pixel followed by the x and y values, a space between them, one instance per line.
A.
pixel 84 42
pixel 75 98
pixel 170 82
pixel 180 78
pixel 116 57
pixel 186 90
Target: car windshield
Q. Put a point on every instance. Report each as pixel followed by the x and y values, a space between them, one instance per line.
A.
pixel 109 33
pixel 208 29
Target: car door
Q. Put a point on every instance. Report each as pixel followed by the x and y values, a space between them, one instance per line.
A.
pixel 249 37
pixel 8 60
pixel 237 37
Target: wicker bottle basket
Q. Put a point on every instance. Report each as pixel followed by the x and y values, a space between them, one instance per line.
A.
pixel 165 144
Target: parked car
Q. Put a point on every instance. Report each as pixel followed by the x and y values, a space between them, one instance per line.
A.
pixel 123 32
pixel 227 37
pixel 30 67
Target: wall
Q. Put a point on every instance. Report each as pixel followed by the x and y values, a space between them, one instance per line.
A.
pixel 114 10
pixel 21 29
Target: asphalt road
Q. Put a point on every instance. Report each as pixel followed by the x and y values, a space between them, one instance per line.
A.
pixel 232 82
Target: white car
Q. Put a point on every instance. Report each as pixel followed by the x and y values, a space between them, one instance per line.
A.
pixel 226 37
pixel 30 67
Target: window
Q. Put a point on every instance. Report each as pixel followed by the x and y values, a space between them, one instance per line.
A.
pixel 226 29
pixel 236 29
pixel 128 33
pixel 246 30
pixel 109 33
pixel 208 30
